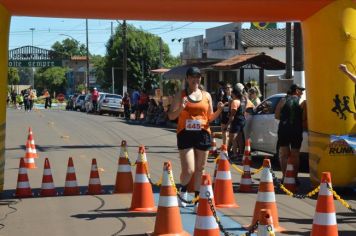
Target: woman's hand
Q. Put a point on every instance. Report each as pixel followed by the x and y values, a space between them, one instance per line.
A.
pixel 184 102
pixel 220 106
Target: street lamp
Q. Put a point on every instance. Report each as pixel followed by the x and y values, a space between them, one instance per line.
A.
pixel 67 35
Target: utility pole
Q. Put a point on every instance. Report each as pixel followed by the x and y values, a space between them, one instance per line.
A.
pixel 112 61
pixel 298 55
pixel 112 28
pixel 33 69
pixel 124 63
pixel 288 50
pixel 160 65
pixel 87 57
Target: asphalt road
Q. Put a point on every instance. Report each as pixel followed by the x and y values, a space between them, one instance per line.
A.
pixel 61 134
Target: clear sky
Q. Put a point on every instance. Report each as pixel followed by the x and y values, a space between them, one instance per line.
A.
pixel 49 30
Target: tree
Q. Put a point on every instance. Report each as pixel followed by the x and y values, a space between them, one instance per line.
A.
pixel 70 47
pixel 13 76
pixel 143 53
pixel 52 78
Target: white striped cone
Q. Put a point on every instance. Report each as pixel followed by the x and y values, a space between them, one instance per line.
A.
pixel 47 188
pixel 30 163
pixel 23 188
pixel 289 178
pixel 205 223
pixel 124 179
pixel 223 189
pixel 142 195
pixel 265 224
pixel 123 149
pixel 30 145
pixel 168 220
pixel 324 222
pixel 246 181
pixel 266 197
pixel 94 186
pixel 71 185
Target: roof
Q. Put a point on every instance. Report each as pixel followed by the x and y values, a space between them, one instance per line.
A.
pixel 179 72
pixel 78 58
pixel 264 37
pixel 259 59
pixel 159 70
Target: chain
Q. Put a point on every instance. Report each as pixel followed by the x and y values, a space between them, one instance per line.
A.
pixel 212 208
pixel 128 160
pixel 270 230
pixel 252 229
pixel 148 175
pixel 342 201
pixel 193 201
pixel 252 172
pixel 289 193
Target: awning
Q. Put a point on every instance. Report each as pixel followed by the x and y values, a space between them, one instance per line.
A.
pixel 159 71
pixel 259 59
pixel 179 71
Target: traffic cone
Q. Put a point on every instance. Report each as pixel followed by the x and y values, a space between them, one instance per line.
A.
pixel 247 151
pixel 47 189
pixel 265 224
pixel 30 145
pixel 324 222
pixel 142 196
pixel 223 190
pixel 246 181
pixel 213 149
pixel 71 185
pixel 168 220
pixel 266 198
pixel 30 163
pixel 124 180
pixel 289 177
pixel 23 188
pixel 94 186
pixel 205 223
pixel 215 170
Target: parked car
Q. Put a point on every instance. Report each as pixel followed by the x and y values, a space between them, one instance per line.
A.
pixel 110 104
pixel 261 127
pixel 79 102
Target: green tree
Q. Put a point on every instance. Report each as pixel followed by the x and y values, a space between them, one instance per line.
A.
pixel 52 78
pixel 99 68
pixel 70 47
pixel 13 76
pixel 143 53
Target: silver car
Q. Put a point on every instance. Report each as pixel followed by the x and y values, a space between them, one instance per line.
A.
pixel 110 104
pixel 262 127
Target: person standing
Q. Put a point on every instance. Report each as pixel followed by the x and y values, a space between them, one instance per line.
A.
pixel 289 112
pixel 134 102
pixel 226 99
pixel 47 98
pixel 26 95
pixel 194 109
pixel 127 104
pixel 94 99
pixel 31 99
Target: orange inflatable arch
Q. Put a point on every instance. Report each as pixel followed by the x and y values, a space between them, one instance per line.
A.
pixel 329 32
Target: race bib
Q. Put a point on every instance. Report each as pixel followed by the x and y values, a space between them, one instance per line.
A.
pixel 193 125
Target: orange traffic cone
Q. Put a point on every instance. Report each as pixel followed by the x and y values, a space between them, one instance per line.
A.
pixel 47 189
pixel 247 151
pixel 266 198
pixel 289 178
pixel 71 185
pixel 30 163
pixel 142 196
pixel 168 220
pixel 213 149
pixel 205 223
pixel 265 225
pixel 223 190
pixel 94 180
pixel 246 181
pixel 30 145
pixel 23 188
pixel 324 222
pixel 124 180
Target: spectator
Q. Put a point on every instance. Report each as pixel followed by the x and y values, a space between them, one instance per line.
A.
pixel 94 99
pixel 225 113
pixel 19 101
pixel 31 99
pixel 253 96
pixel 47 98
pixel 162 116
pixel 289 112
pixel 134 103
pixel 142 105
pixel 151 112
pixel 127 105
pixel 26 95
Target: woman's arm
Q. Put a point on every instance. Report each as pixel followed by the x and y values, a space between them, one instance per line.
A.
pixel 235 104
pixel 277 113
pixel 220 106
pixel 177 106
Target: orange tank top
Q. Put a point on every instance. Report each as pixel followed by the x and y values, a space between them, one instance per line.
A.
pixel 195 114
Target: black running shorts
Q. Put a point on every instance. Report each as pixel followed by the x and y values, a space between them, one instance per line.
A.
pixel 200 140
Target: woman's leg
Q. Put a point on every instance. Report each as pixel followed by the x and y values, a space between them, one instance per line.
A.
pixel 241 143
pixel 224 133
pixel 187 165
pixel 201 158
pixel 233 143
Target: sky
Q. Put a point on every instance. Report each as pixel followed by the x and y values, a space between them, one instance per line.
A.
pixel 46 31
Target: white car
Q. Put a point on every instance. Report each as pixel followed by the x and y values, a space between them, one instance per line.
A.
pixel 262 127
pixel 111 104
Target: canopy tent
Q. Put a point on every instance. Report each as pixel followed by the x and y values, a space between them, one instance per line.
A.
pixel 259 59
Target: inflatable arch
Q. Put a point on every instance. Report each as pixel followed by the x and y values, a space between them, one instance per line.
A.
pixel 329 30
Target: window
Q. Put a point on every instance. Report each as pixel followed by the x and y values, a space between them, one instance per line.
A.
pixel 268 106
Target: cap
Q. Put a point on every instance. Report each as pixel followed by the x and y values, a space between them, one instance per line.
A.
pixel 94 88
pixel 193 71
pixel 294 87
pixel 239 87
